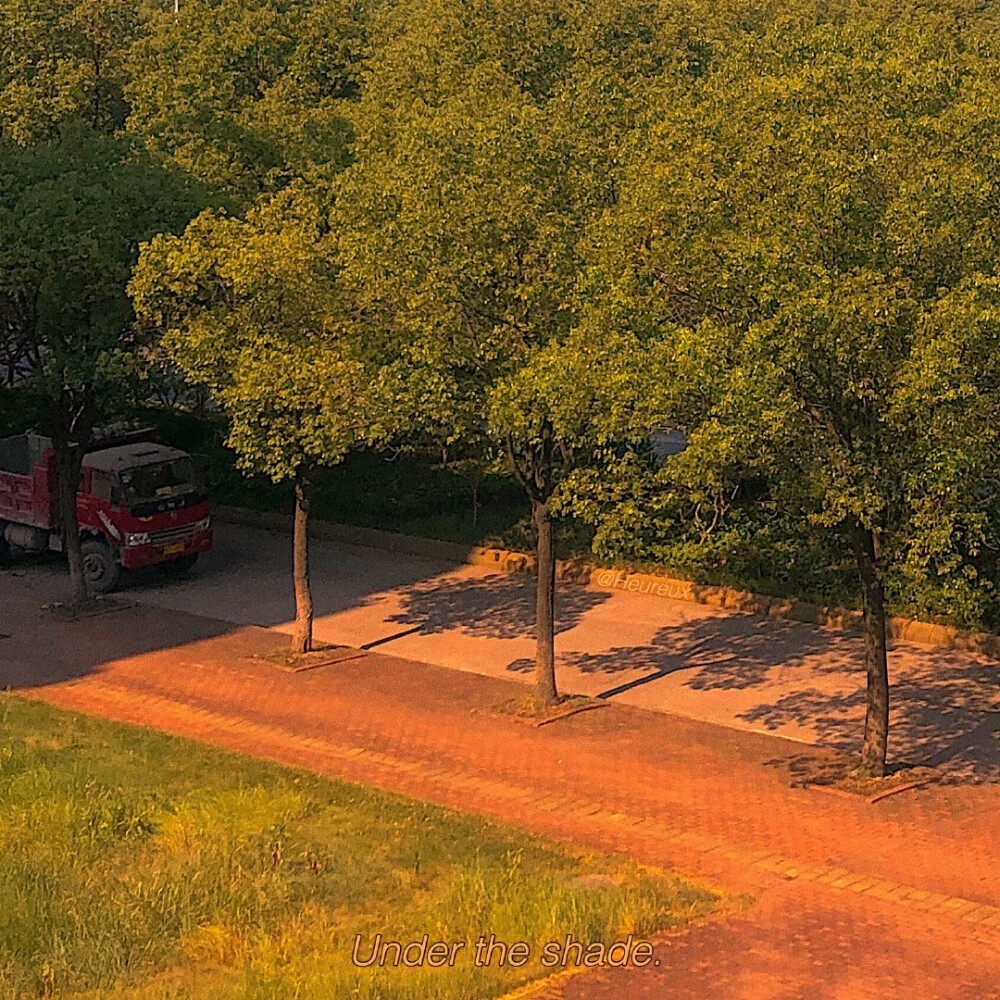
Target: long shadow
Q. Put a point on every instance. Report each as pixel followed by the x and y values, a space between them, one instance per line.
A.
pixel 951 723
pixel 38 647
pixel 729 651
pixel 497 606
pixel 945 704
pixel 247 580
pixel 732 652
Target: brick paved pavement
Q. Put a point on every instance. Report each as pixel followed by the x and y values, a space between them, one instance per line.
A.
pixel 799 943
pixel 899 898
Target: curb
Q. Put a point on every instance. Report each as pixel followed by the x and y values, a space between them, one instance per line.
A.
pixel 547 988
pixel 603 578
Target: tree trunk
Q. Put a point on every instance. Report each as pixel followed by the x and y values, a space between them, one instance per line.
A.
pixel 476 480
pixel 302 638
pixel 68 462
pixel 876 738
pixel 545 592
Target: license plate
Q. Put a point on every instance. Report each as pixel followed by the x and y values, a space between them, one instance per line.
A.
pixel 173 550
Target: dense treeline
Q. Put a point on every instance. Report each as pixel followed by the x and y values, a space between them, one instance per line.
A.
pixel 526 235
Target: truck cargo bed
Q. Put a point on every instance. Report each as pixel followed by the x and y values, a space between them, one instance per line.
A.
pixel 23 499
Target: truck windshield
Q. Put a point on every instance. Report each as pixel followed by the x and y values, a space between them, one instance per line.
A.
pixel 160 481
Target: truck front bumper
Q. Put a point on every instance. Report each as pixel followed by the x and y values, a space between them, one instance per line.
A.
pixel 137 556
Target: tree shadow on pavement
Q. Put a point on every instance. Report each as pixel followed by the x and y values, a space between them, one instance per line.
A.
pixel 498 606
pixel 727 651
pixel 248 576
pixel 945 704
pixel 949 723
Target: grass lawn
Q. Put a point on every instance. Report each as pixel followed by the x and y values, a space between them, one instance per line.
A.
pixel 140 865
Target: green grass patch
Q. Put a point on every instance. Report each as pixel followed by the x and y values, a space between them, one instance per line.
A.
pixel 138 865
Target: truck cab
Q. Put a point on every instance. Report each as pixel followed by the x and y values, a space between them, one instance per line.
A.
pixel 139 503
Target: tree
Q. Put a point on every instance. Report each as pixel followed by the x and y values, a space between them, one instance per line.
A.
pixel 63 61
pixel 72 214
pixel 464 217
pixel 821 210
pixel 252 310
pixel 567 408
pixel 246 96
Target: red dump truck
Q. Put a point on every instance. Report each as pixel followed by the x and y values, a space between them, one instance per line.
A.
pixel 139 503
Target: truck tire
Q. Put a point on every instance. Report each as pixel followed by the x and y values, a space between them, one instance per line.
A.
pixel 6 557
pixel 100 567
pixel 180 566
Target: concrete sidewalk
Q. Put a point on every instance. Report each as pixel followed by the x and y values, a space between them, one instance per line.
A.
pixel 899 898
pixel 786 678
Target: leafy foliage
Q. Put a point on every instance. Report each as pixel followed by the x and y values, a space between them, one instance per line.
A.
pixel 72 214
pixel 63 61
pixel 247 96
pixel 820 209
pixel 252 309
pixel 773 225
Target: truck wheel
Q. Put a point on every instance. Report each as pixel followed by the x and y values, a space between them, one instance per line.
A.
pixel 99 567
pixel 5 554
pixel 179 566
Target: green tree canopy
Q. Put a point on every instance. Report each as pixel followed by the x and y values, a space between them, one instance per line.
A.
pixel 63 60
pixel 252 309
pixel 73 212
pixel 821 209
pixel 246 96
pixel 464 219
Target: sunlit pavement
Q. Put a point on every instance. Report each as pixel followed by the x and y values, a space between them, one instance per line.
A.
pixel 800 943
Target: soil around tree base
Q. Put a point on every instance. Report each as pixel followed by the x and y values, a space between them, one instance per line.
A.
pixel 92 608
pixel 321 656
pixel 840 776
pixel 526 708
